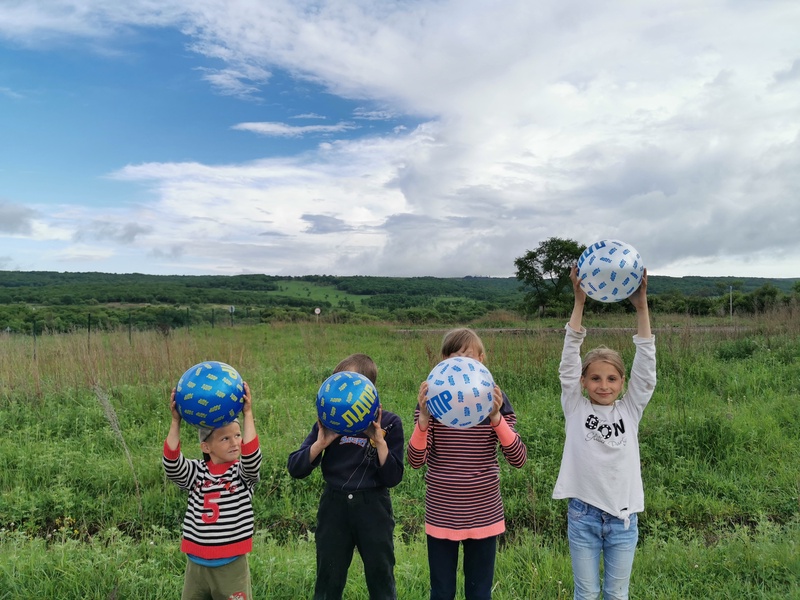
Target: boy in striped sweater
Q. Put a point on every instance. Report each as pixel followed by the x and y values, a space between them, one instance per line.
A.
pixel 462 502
pixel 218 525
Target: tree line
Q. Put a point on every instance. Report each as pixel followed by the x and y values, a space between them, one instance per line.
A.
pixel 38 301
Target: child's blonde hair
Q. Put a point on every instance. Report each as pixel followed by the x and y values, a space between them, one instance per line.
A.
pixel 602 353
pixel 456 339
pixel 359 363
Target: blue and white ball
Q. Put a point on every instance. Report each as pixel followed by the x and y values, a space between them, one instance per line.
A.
pixel 347 402
pixel 460 392
pixel 610 270
pixel 210 394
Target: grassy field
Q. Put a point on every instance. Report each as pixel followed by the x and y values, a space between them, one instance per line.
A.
pixel 85 510
pixel 314 291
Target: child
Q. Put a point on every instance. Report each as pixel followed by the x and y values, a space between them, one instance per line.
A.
pixel 355 510
pixel 218 525
pixel 462 502
pixel 600 472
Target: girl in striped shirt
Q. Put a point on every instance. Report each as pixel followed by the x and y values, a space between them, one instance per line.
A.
pixel 462 501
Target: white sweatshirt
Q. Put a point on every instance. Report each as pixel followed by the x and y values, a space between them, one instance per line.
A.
pixel 600 464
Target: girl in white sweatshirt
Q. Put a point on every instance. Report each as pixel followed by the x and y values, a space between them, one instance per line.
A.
pixel 600 468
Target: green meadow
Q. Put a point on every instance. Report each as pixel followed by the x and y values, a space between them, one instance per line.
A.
pixel 314 291
pixel 86 512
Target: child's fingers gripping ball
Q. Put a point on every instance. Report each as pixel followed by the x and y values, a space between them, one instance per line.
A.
pixel 347 402
pixel 460 392
pixel 610 270
pixel 210 394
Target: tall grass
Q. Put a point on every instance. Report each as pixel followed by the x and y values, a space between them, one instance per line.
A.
pixel 85 510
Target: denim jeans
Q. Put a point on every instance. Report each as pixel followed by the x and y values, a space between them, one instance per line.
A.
pixel 590 532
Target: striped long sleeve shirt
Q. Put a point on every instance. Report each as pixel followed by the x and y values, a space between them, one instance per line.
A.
pixel 462 499
pixel 219 516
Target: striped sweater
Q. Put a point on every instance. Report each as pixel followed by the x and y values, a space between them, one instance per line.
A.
pixel 462 500
pixel 219 516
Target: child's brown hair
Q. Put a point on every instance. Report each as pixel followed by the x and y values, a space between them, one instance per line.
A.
pixel 456 339
pixel 359 363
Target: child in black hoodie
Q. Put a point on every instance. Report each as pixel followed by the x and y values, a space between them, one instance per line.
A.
pixel 355 510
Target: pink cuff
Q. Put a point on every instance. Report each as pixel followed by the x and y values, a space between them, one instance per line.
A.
pixel 505 434
pixel 419 438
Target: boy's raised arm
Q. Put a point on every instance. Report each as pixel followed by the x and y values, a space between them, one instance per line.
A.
pixel 174 435
pixel 248 421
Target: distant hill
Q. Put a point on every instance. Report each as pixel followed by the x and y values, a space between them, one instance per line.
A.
pixel 50 287
pixel 715 286
pixel 33 301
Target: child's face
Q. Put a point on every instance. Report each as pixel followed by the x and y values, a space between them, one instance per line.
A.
pixel 224 445
pixel 602 382
pixel 471 351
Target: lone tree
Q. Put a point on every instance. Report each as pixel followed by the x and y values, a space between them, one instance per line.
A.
pixel 544 273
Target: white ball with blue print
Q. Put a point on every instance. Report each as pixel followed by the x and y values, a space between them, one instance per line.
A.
pixel 460 392
pixel 610 270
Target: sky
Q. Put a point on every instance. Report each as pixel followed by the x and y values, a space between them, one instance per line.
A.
pixel 397 137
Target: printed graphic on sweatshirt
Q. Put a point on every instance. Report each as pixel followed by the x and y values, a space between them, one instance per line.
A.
pixel 349 439
pixel 610 433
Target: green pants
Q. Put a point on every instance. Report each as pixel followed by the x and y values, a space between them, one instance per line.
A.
pixel 228 582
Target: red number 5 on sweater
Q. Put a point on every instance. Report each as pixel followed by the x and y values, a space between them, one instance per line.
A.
pixel 210 503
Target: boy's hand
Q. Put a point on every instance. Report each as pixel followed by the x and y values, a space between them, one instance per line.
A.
pixel 247 405
pixel 374 431
pixel 176 416
pixel 424 418
pixel 325 436
pixel 497 403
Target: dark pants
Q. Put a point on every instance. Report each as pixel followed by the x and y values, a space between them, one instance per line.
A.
pixel 349 520
pixel 478 567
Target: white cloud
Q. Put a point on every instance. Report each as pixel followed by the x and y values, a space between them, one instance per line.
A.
pixel 83 254
pixel 120 233
pixel 374 115
pixel 790 74
pixel 9 93
pixel 284 130
pixel 240 82
pixel 276 215
pixel 15 219
pixel 42 23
